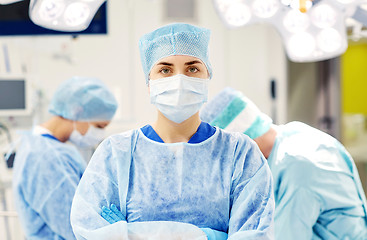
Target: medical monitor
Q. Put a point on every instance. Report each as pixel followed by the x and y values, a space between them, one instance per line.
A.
pixel 14 96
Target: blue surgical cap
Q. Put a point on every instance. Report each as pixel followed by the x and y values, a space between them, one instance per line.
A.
pixel 174 39
pixel 83 99
pixel 233 111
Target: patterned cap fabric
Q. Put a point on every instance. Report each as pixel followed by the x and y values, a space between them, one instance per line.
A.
pixel 174 39
pixel 83 99
pixel 233 111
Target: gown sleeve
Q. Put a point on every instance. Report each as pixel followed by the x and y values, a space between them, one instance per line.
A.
pixel 252 200
pixel 297 214
pixel 97 188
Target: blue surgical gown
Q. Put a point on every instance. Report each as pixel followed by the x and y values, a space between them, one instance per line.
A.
pixel 317 190
pixel 46 174
pixel 222 183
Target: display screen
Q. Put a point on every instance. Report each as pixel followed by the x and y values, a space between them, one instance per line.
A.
pixel 12 95
pixel 14 20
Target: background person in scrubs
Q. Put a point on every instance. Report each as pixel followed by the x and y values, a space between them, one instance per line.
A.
pixel 318 193
pixel 179 178
pixel 47 170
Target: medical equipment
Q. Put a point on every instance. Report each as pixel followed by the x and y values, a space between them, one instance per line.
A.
pixel 63 15
pixel 14 96
pixel 15 21
pixel 4 2
pixel 311 31
pixel 10 155
pixel 5 185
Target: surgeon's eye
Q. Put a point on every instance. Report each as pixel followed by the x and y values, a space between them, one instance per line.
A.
pixel 165 70
pixel 193 69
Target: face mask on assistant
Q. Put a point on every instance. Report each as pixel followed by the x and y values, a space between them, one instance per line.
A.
pixel 91 138
pixel 178 97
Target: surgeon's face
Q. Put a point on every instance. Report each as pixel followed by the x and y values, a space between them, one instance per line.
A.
pixel 83 127
pixel 180 64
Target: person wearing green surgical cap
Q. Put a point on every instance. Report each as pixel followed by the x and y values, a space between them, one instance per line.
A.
pixel 318 192
pixel 179 178
pixel 47 170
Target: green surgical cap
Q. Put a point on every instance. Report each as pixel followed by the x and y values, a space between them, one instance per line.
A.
pixel 174 39
pixel 233 111
pixel 83 99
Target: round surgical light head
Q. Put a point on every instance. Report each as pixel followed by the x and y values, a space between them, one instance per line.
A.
pixel 286 2
pixel 295 21
pixel 329 40
pixel 294 4
pixel 51 9
pixel 323 16
pixel 237 14
pixel 265 8
pixel 221 5
pixel 301 45
pixel 346 1
pixel 76 14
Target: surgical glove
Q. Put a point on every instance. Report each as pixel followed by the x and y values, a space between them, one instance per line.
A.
pixel 214 234
pixel 112 214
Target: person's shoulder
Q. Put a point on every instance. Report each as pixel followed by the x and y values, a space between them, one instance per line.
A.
pixel 120 140
pixel 300 128
pixel 235 136
pixel 299 139
pixel 37 146
pixel 48 152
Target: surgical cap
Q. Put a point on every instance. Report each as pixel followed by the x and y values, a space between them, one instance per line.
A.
pixel 174 39
pixel 83 99
pixel 233 111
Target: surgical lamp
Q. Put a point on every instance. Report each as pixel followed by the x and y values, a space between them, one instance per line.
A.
pixel 311 30
pixel 64 15
pixel 5 2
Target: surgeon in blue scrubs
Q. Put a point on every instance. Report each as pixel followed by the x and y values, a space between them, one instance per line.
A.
pixel 179 178
pixel 318 192
pixel 47 169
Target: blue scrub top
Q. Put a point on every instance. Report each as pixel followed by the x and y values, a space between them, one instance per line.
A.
pixel 204 131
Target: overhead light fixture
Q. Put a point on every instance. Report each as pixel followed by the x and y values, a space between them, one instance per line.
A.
pixel 311 30
pixel 6 2
pixel 64 15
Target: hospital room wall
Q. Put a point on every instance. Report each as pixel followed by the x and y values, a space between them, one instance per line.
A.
pixel 246 59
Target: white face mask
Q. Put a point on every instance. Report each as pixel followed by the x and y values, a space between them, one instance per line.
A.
pixel 91 138
pixel 178 97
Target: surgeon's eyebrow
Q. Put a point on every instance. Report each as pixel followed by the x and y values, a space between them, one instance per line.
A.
pixel 192 62
pixel 165 63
